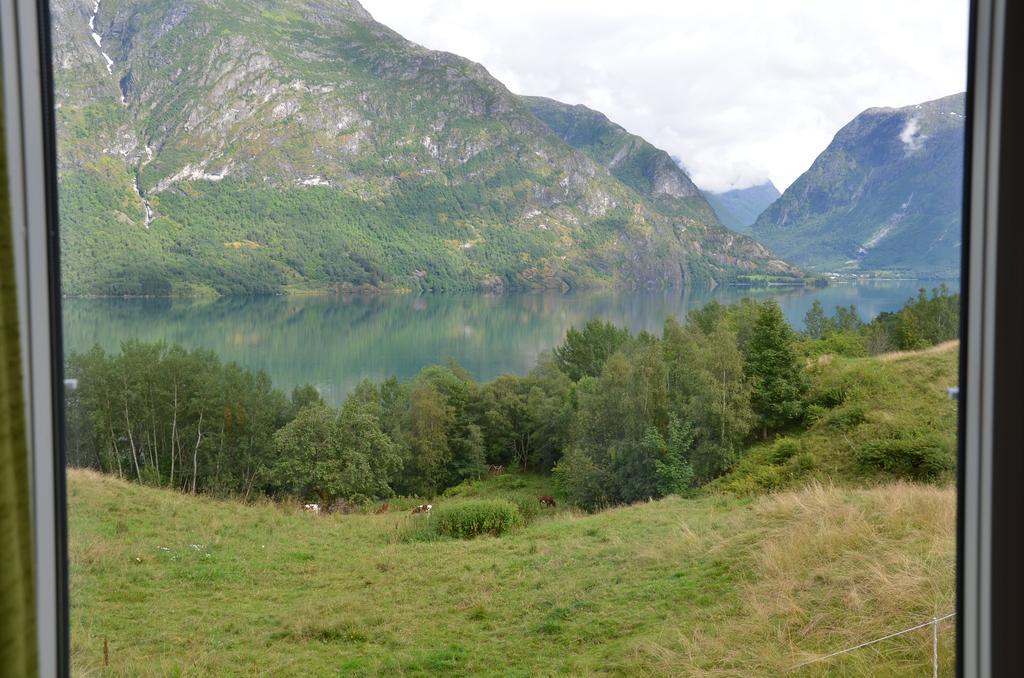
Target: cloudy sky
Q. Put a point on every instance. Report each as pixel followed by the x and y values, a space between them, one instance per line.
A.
pixel 740 90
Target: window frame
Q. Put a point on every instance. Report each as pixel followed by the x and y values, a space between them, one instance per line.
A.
pixel 32 170
pixel 991 434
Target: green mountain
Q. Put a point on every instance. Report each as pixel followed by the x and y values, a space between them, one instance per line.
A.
pixel 246 146
pixel 884 196
pixel 739 208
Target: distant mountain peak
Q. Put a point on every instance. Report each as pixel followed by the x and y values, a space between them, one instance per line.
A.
pixel 885 195
pixel 738 208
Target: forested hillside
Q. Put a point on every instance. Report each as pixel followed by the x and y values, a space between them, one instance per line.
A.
pixel 236 147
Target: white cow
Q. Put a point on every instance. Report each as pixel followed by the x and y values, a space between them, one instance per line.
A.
pixel 311 508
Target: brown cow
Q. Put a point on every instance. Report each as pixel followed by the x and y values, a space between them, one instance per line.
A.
pixel 545 500
pixel 383 508
pixel 423 508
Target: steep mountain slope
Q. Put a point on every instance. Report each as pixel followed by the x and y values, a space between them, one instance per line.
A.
pixel 249 147
pixel 739 208
pixel 885 195
pixel 646 169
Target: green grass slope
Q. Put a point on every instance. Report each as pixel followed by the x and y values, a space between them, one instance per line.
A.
pixel 897 400
pixel 180 585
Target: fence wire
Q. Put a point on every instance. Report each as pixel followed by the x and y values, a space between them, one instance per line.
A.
pixel 934 622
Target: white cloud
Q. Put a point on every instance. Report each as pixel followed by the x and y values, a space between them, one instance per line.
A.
pixel 740 90
pixel 912 141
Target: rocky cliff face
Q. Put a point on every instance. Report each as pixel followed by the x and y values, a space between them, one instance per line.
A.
pixel 885 195
pixel 246 146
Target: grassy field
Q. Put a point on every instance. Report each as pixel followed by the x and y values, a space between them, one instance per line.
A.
pixel 788 558
pixel 180 585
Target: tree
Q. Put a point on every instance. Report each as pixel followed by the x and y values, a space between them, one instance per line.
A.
pixel 721 408
pixel 303 395
pixel 428 420
pixel 816 324
pixel 331 455
pixel 583 353
pixel 774 370
pixel 708 317
pixel 621 423
pixel 924 322
pixel 846 319
pixel 673 469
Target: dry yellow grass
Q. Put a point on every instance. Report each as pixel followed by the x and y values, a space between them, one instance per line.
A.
pixel 937 348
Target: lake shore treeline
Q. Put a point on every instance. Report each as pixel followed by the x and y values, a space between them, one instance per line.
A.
pixel 616 417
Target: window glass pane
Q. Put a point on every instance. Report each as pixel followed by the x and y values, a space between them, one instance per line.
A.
pixel 443 337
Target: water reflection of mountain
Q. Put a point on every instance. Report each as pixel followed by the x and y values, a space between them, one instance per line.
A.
pixel 334 342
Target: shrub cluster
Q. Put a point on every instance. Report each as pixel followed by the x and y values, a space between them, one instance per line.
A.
pixel 469 519
pixel 918 457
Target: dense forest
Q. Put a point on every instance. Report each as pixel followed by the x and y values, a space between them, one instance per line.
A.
pixel 615 417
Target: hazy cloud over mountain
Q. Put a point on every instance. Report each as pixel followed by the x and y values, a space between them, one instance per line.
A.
pixel 741 90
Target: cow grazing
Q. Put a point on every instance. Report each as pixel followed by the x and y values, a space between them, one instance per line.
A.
pixel 423 508
pixel 495 469
pixel 545 500
pixel 311 508
pixel 383 508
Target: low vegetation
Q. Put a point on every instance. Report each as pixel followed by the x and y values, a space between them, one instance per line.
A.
pixel 714 585
pixel 787 527
pixel 614 418
pixel 474 518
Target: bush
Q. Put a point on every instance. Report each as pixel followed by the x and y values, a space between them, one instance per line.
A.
pixel 784 448
pixel 847 344
pixel 528 505
pixel 921 457
pixel 847 419
pixel 470 519
pixel 814 413
pixel 801 464
pixel 761 480
pixel 830 396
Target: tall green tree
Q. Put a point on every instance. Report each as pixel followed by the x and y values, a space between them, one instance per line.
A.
pixel 429 418
pixel 721 409
pixel 774 370
pixel 816 324
pixel 584 352
pixel 329 455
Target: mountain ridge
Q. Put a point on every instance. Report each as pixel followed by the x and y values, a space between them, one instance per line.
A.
pixel 885 195
pixel 241 147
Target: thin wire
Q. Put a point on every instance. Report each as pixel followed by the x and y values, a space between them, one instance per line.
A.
pixel 935 621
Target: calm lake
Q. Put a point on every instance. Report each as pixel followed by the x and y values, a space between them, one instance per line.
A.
pixel 334 342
